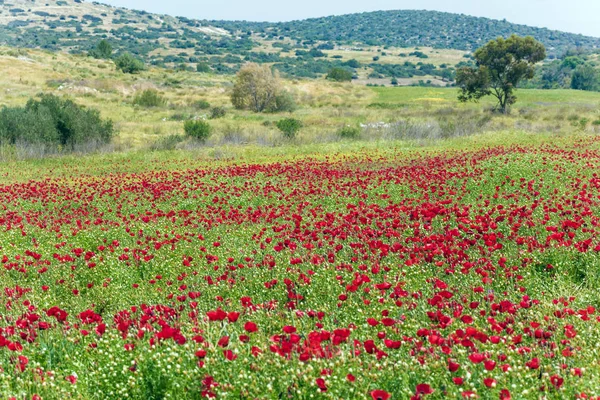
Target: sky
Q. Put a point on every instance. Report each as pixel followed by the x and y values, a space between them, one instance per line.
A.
pixel 577 16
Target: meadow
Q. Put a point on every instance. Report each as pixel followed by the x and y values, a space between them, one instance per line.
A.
pixel 446 252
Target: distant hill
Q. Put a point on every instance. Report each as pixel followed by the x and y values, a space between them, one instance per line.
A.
pixel 369 44
pixel 409 28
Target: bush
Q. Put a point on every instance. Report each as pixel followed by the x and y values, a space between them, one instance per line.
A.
pixel 54 122
pixel 289 127
pixel 203 67
pixel 129 64
pixel 199 130
pixel 349 132
pixel 284 102
pixel 217 112
pixel 149 98
pixel 102 50
pixel 256 87
pixel 201 105
pixel 340 75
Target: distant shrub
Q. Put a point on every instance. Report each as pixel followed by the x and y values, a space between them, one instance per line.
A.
pixel 284 102
pixel 419 54
pixel 289 127
pixel 199 130
pixel 203 67
pixel 339 75
pixel 55 122
pixel 201 105
pixel 102 50
pixel 349 132
pixel 129 64
pixel 217 112
pixel 149 98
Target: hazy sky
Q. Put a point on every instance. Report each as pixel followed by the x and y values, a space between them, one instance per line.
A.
pixel 579 16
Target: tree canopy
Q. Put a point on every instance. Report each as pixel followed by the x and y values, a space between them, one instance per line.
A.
pixel 500 65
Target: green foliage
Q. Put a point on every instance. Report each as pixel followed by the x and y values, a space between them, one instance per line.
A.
pixel 149 98
pixel 201 105
pixel 217 112
pixel 501 65
pixel 585 77
pixel 289 127
pixel 129 64
pixel 349 132
pixel 340 75
pixel 199 130
pixel 102 50
pixel 284 102
pixel 55 122
pixel 203 67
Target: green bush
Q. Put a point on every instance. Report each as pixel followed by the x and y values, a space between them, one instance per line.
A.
pixel 289 127
pixel 349 132
pixel 102 50
pixel 203 67
pixel 129 64
pixel 217 112
pixel 340 75
pixel 199 130
pixel 149 98
pixel 284 102
pixel 54 122
pixel 201 105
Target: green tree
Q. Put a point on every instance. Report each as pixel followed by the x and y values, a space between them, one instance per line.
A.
pixel 501 65
pixel 339 75
pixel 102 50
pixel 129 64
pixel 585 77
pixel 256 87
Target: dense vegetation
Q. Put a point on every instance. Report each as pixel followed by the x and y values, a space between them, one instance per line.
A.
pixel 55 123
pixel 298 47
pixel 407 28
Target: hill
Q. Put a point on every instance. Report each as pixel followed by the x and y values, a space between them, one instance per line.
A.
pixel 408 28
pixel 404 47
pixel 76 25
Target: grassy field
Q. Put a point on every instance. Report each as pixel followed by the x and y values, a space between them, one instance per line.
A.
pixel 324 107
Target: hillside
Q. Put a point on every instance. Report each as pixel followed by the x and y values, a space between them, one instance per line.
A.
pixel 76 25
pixel 408 28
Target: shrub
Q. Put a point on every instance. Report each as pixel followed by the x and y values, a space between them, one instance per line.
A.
pixel 349 132
pixel 284 102
pixel 340 75
pixel 217 112
pixel 201 105
pixel 199 130
pixel 53 121
pixel 129 64
pixel 256 87
pixel 102 50
pixel 203 67
pixel 149 98
pixel 289 127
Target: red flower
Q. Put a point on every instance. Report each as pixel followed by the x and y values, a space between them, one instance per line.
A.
pixel 321 384
pixel 556 381
pixel 380 395
pixel 250 327
pixel 229 355
pixel 424 388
